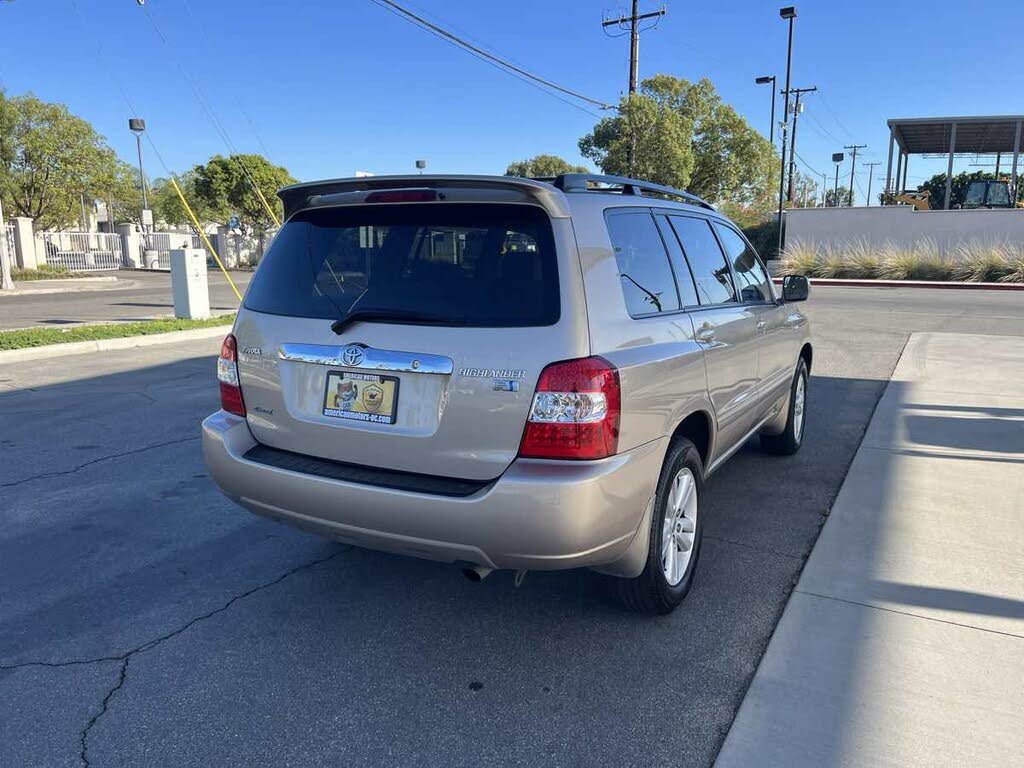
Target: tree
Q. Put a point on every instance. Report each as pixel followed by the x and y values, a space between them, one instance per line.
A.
pixel 224 187
pixel 835 199
pixel 542 166
pixel 646 140
pixel 936 187
pixel 48 159
pixel 683 135
pixel 167 206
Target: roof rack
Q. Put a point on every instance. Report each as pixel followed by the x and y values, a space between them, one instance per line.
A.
pixel 586 182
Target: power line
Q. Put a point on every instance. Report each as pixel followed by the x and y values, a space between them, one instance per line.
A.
pixel 807 165
pixel 634 31
pixel 823 130
pixel 210 113
pixel 835 117
pixel 490 58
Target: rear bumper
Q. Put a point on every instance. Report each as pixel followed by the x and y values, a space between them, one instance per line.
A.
pixel 539 515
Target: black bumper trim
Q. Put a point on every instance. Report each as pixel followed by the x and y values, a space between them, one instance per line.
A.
pixel 363 475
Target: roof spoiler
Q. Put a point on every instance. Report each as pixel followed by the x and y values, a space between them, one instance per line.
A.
pixel 510 189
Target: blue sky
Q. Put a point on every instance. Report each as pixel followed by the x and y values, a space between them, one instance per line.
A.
pixel 329 87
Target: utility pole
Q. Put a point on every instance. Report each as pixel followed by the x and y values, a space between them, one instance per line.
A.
pixel 788 14
pixel 871 174
pixel 824 189
pixel 633 20
pixel 792 139
pixel 853 165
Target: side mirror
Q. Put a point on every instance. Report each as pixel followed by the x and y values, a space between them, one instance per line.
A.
pixel 795 288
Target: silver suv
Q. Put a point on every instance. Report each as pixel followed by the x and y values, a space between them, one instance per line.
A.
pixel 506 372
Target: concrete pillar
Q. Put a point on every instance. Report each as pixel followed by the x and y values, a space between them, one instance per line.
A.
pixel 222 241
pixel 25 246
pixel 131 242
pixel 949 168
pixel 6 257
pixel 888 168
pixel 1016 155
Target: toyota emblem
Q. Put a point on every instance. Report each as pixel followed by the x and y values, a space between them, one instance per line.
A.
pixel 352 356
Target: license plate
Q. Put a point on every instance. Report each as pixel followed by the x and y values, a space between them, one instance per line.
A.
pixel 361 397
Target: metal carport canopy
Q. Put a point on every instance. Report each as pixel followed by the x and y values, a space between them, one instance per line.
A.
pixel 949 135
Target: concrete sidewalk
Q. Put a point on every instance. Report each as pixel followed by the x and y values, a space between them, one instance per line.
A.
pixel 903 642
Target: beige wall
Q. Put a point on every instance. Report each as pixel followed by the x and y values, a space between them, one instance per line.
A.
pixel 902 224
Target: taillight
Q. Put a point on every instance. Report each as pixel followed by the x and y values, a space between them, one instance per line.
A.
pixel 227 374
pixel 575 411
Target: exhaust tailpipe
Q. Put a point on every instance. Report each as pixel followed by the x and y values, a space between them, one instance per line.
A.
pixel 476 573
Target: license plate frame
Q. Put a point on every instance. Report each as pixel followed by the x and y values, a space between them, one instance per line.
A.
pixel 360 404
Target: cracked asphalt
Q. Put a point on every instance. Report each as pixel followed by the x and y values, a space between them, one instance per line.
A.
pixel 144 619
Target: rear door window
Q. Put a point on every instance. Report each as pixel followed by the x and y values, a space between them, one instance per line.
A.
pixel 645 275
pixel 684 278
pixel 446 264
pixel 751 277
pixel 711 273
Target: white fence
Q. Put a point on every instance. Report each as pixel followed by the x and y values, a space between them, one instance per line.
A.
pixel 165 242
pixel 83 251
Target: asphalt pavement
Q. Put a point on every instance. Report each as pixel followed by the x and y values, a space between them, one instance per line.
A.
pixel 144 619
pixel 135 295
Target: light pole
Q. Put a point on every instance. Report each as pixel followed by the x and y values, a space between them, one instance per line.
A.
pixel 765 80
pixel 137 126
pixel 789 13
pixel 837 158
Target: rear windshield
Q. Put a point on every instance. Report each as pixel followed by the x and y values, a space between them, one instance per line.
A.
pixel 485 265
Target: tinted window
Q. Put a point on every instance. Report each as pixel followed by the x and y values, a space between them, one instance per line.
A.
pixel 478 265
pixel 684 280
pixel 710 270
pixel 750 275
pixel 644 271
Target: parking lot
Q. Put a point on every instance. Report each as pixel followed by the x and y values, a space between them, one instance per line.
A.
pixel 144 619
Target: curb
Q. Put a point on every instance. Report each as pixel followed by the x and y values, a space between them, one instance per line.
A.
pixel 104 345
pixel 72 285
pixel 947 284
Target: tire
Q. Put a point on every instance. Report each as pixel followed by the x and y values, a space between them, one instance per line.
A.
pixel 792 437
pixel 654 591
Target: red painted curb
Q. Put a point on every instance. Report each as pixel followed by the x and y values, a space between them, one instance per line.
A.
pixel 947 284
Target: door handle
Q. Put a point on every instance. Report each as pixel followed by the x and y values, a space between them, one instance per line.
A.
pixel 706 335
pixel 762 324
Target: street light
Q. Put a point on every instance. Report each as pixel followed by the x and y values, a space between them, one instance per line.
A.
pixel 789 13
pixel 837 158
pixel 138 126
pixel 765 80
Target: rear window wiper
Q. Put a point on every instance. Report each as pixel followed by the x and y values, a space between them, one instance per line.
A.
pixel 394 316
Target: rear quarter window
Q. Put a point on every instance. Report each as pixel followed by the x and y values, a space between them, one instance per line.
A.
pixel 462 264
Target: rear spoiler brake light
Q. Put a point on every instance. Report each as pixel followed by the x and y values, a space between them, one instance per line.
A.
pixel 404 196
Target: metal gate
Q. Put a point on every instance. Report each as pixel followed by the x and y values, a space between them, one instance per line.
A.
pixel 83 251
pixel 163 243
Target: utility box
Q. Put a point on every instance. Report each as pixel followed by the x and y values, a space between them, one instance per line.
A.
pixel 188 283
